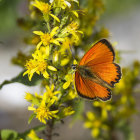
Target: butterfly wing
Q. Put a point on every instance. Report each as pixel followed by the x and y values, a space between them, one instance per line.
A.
pixel 100 59
pixel 89 89
pixel 101 52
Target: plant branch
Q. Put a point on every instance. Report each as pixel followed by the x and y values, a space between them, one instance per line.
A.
pixel 50 124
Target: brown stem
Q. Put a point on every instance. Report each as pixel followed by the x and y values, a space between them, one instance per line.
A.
pixel 113 136
pixel 49 129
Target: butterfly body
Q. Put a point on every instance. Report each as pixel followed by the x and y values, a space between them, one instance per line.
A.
pixel 97 73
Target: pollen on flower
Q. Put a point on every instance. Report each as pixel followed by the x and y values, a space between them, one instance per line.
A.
pixel 36 65
pixel 30 65
pixel 45 38
pixel 41 66
pixel 43 7
pixel 73 26
pixel 48 38
pixel 43 112
pixel 69 79
pixel 50 93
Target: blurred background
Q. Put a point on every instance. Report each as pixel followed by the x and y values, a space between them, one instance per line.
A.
pixel 121 18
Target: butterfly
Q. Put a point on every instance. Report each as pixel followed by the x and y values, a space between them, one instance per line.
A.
pixel 97 73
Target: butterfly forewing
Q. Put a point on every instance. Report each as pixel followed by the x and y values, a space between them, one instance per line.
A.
pixel 101 52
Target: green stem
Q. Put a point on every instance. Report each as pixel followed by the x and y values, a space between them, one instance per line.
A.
pixel 48 26
pixel 47 19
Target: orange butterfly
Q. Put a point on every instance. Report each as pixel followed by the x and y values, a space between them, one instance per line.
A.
pixel 97 73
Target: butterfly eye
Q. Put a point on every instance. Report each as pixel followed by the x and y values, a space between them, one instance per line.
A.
pixel 74 66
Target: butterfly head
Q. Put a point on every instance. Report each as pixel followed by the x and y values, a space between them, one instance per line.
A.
pixel 74 67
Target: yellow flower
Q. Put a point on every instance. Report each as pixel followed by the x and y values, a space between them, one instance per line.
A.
pixel 95 124
pixel 45 8
pixel 62 3
pixel 32 135
pixel 75 62
pixel 65 45
pixel 42 53
pixel 50 93
pixel 72 95
pixel 64 61
pixel 43 112
pixel 38 64
pixel 68 111
pixel 105 106
pixel 38 96
pixel 69 79
pixel 42 109
pixel 28 96
pixel 72 29
pixel 48 38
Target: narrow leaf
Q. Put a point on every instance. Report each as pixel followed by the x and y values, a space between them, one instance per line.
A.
pixel 23 80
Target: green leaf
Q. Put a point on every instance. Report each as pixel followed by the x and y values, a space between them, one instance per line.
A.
pixel 7 134
pixel 31 117
pixel 24 80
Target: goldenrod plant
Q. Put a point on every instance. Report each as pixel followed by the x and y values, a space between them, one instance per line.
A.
pixel 60 31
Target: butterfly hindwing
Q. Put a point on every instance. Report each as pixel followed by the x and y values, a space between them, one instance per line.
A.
pixel 82 88
pixel 91 90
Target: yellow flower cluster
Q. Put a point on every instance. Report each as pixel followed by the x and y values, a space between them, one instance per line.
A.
pixel 41 104
pixel 55 37
pixel 45 8
pixel 39 64
pixel 53 53
pixel 62 3
pixel 95 124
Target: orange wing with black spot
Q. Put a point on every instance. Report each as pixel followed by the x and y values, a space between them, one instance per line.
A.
pixel 100 60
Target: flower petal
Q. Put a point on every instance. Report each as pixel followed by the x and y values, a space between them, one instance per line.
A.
pixel 56 18
pixel 66 85
pixel 38 32
pixel 75 62
pixel 68 4
pixel 75 13
pixel 31 108
pixel 45 74
pixel 52 68
pixel 38 45
pixel 56 42
pixel 54 31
